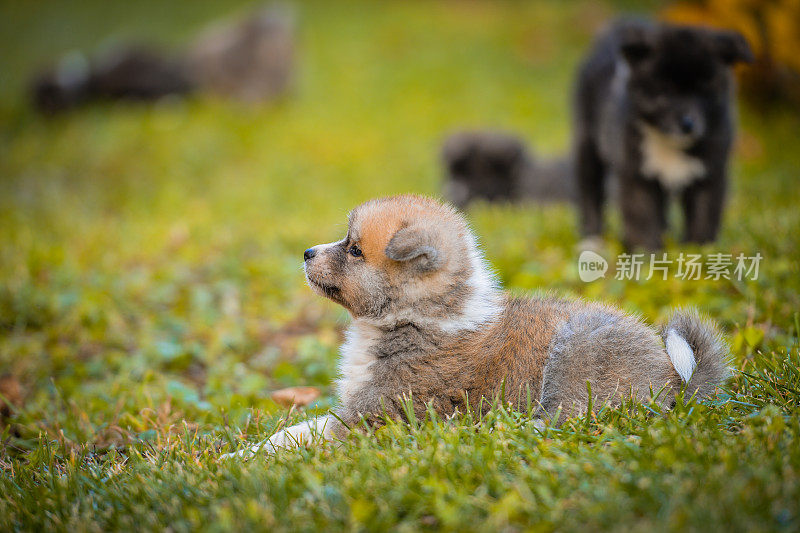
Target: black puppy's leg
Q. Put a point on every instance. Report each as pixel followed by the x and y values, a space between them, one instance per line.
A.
pixel 643 212
pixel 590 172
pixel 702 207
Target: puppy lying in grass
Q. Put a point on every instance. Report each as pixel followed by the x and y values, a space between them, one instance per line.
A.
pixel 430 324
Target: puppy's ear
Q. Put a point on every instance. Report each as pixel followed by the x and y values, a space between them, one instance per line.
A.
pixel 733 48
pixel 414 245
pixel 636 41
pixel 456 151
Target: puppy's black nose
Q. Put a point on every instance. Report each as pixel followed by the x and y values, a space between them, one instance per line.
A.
pixel 687 124
pixel 308 254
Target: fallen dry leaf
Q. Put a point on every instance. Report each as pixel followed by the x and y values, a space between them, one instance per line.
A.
pixel 10 394
pixel 300 396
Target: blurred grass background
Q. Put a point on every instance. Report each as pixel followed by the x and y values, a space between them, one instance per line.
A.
pixel 150 255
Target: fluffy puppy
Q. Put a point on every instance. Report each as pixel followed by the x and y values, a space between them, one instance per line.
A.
pixel 483 164
pixel 131 72
pixel 497 167
pixel 653 107
pixel 430 323
pixel 249 59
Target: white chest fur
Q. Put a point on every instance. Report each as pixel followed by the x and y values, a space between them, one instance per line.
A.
pixel 664 159
pixel 356 358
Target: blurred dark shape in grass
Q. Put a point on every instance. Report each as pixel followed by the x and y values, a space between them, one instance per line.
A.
pixel 498 167
pixel 249 59
pixel 128 72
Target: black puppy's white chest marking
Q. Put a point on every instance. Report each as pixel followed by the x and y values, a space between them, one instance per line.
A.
pixel 664 159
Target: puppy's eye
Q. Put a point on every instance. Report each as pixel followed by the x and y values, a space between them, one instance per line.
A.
pixel 355 251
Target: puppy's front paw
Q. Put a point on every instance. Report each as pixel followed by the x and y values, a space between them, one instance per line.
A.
pixel 291 437
pixel 248 453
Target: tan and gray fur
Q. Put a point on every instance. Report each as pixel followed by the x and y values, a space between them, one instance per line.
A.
pixel 430 323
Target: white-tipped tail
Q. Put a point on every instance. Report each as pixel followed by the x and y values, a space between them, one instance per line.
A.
pixel 681 355
pixel 697 351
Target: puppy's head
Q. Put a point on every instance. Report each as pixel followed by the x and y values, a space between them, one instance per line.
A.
pixel 402 256
pixel 482 165
pixel 680 79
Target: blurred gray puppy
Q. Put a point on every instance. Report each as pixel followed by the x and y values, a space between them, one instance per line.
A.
pixel 495 166
pixel 249 59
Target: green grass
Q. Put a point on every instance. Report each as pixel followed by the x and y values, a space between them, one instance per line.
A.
pixel 151 294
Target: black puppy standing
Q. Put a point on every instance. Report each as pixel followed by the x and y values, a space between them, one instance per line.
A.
pixel 653 107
